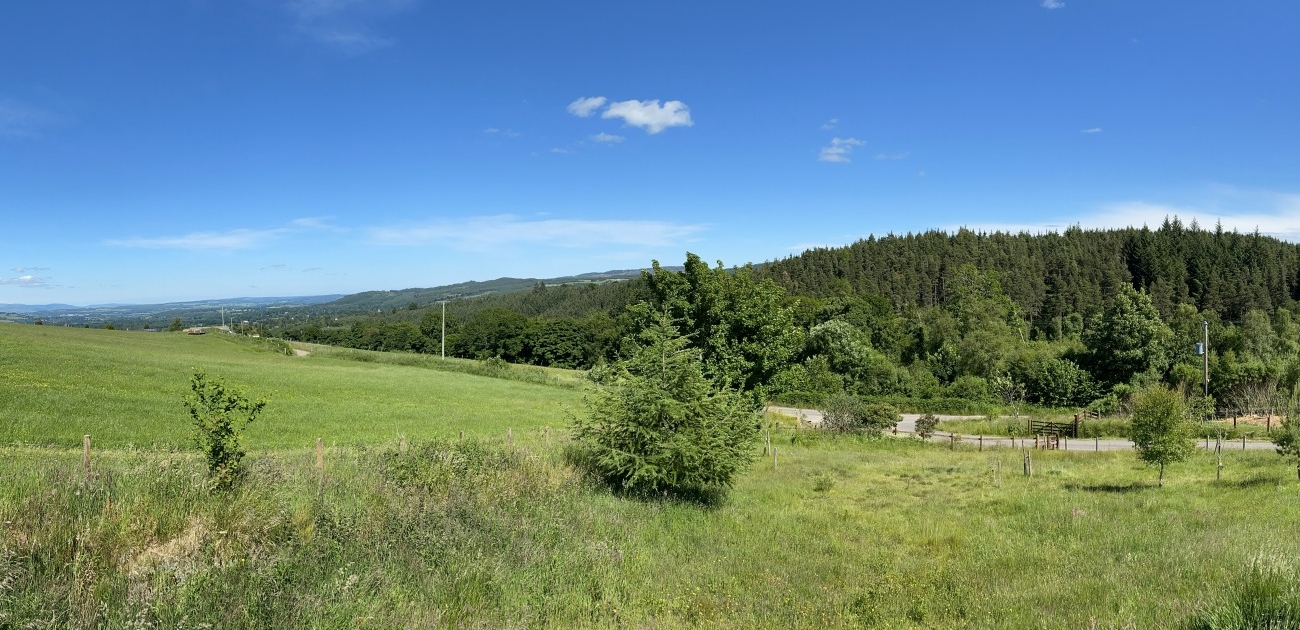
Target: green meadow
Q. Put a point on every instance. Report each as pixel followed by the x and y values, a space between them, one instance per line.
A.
pixel 124 389
pixel 843 532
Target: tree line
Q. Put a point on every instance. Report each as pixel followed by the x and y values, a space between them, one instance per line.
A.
pixel 936 320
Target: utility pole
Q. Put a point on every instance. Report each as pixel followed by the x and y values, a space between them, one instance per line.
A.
pixel 444 330
pixel 1205 351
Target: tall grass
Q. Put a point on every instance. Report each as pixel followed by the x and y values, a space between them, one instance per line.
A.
pixel 481 534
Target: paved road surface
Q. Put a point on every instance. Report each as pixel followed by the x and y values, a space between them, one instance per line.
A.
pixel 908 425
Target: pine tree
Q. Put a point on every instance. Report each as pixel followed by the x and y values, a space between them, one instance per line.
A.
pixel 662 426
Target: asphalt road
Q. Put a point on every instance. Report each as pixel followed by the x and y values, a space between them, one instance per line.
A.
pixel 908 425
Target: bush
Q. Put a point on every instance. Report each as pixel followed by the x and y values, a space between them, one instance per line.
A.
pixel 220 414
pixel 663 427
pixel 879 416
pixel 842 412
pixel 925 425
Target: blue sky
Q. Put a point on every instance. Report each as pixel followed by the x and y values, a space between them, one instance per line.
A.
pixel 161 150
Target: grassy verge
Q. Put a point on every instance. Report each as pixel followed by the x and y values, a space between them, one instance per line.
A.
pixel 846 532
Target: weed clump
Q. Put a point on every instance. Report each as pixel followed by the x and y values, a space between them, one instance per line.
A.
pixel 1267 596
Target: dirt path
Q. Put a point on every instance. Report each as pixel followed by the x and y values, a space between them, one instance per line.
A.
pixel 908 425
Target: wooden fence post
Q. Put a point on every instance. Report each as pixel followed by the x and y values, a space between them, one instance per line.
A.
pixel 320 455
pixel 981 443
pixel 773 459
pixel 85 459
pixel 462 435
pixel 510 436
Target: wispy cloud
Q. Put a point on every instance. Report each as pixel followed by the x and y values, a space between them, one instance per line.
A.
pixel 237 239
pixel 560 151
pixel 19 120
pixel 830 124
pixel 839 150
pixel 1053 4
pixel 26 281
pixel 1091 130
pixel 585 106
pixel 1273 214
pixel 508 133
pixel 231 239
pixel 606 138
pixel 893 157
pixel 492 232
pixel 29 269
pixel 346 25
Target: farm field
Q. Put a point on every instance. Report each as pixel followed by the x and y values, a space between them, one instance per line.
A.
pixel 844 532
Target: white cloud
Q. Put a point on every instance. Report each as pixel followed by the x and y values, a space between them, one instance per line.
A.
pixel 493 232
pixel 650 115
pixel 893 157
pixel 830 124
pixel 1091 130
pixel 229 240
pixel 509 133
pixel 1273 214
pixel 1053 4
pixel 839 150
pixel 29 269
pixel 607 138
pixel 26 281
pixel 584 106
pixel 560 151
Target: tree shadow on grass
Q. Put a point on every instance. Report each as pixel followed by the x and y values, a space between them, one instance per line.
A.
pixel 1112 488
pixel 1254 481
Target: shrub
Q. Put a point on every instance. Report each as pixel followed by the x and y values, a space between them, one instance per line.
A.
pixel 925 425
pixel 220 414
pixel 879 416
pixel 663 427
pixel 842 412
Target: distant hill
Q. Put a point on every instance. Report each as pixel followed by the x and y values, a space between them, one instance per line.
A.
pixel 388 300
pixel 33 308
pixel 197 311
pixel 205 312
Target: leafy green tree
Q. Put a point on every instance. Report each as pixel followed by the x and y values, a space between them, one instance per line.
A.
pixel 175 326
pixel 743 326
pixel 220 414
pixel 1287 438
pixel 1160 429
pixel 1129 339
pixel 663 427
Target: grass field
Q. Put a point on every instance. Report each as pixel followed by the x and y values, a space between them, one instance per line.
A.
pixel 125 388
pixel 845 532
